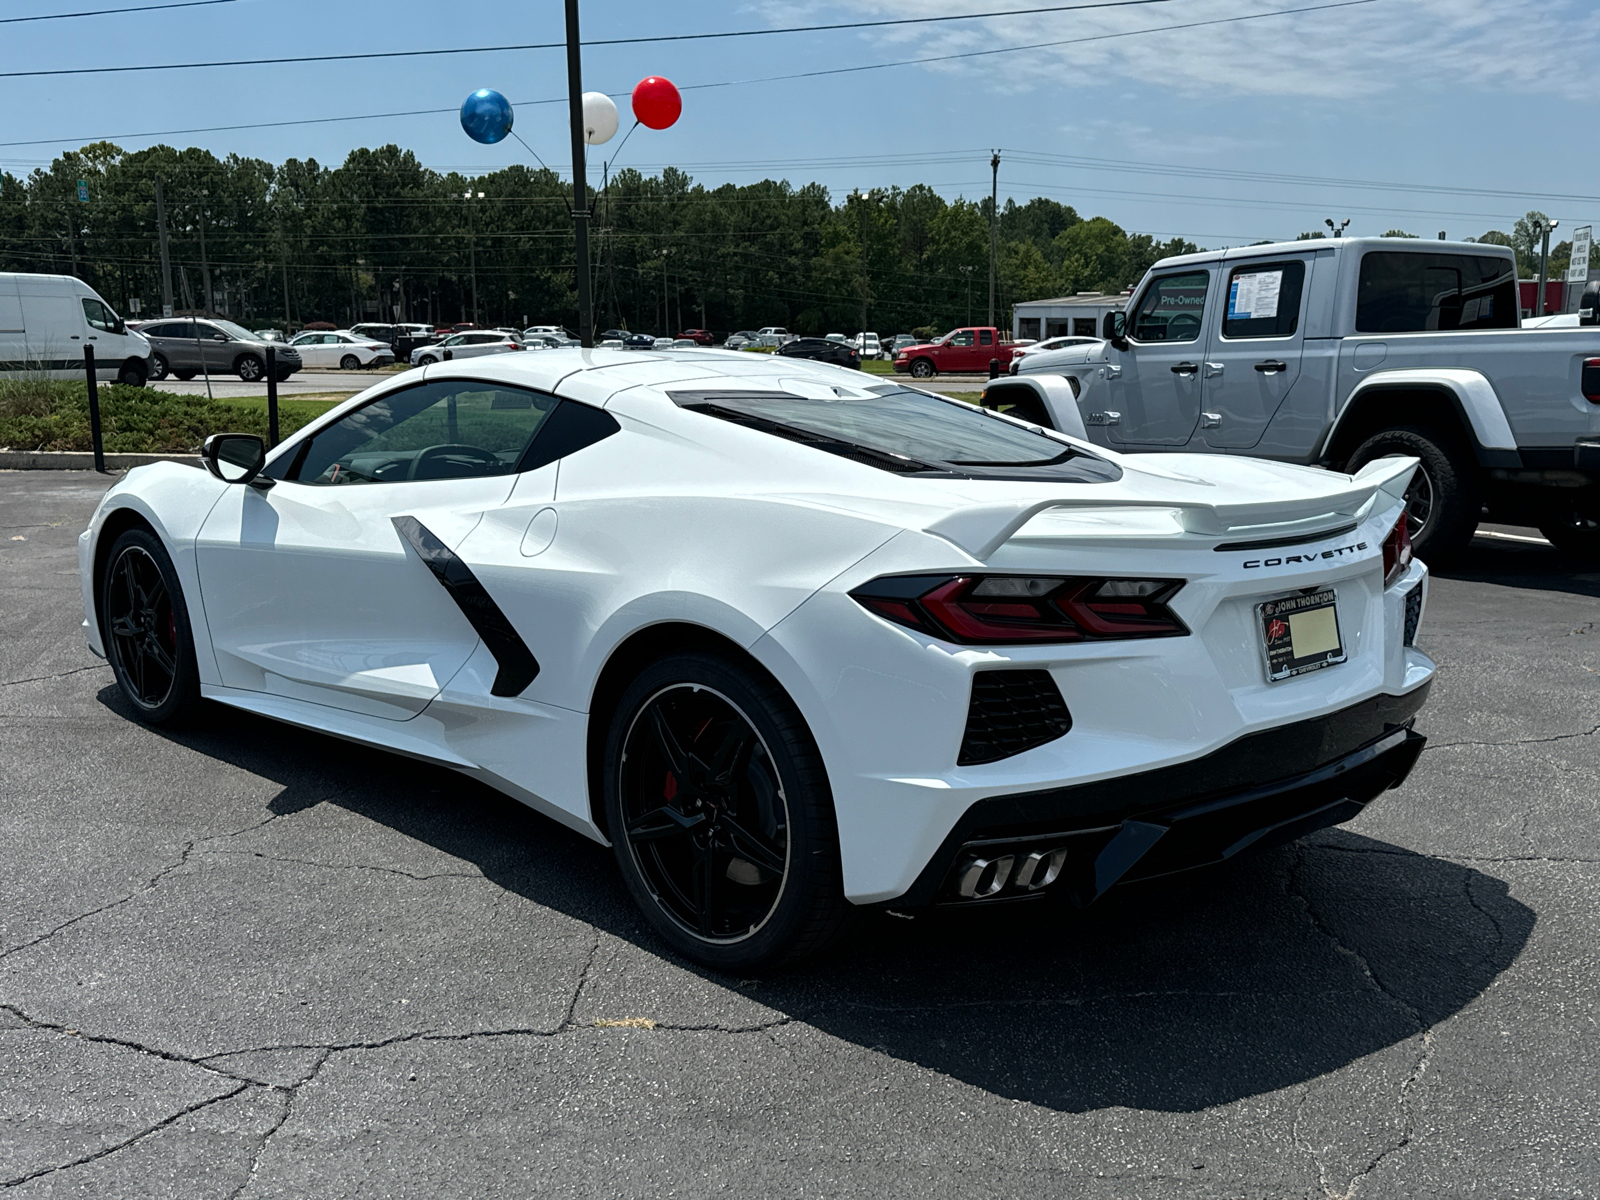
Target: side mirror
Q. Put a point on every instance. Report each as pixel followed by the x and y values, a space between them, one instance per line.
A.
pixel 1114 327
pixel 234 457
pixel 1589 308
pixel 219 337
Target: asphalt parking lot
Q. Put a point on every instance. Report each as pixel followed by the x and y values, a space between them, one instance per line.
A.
pixel 242 960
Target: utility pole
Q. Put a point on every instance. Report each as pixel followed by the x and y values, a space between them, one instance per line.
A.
pixel 666 312
pixel 967 271
pixel 994 229
pixel 205 267
pixel 1544 266
pixel 283 251
pixel 166 263
pixel 580 201
pixel 472 251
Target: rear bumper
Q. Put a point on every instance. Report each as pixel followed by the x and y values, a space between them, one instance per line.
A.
pixel 1260 790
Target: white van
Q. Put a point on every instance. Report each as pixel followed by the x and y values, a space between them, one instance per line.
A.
pixel 47 320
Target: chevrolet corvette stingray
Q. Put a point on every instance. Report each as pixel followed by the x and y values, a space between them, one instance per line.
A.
pixel 790 639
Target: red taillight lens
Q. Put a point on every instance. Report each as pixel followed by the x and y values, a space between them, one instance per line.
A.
pixel 989 609
pixel 1591 380
pixel 1397 550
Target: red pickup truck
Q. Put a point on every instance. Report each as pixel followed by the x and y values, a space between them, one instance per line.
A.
pixel 968 349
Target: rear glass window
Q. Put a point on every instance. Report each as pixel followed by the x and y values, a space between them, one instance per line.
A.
pixel 1264 300
pixel 1403 292
pixel 909 432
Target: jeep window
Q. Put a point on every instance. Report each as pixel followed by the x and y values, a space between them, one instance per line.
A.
pixel 1264 300
pixel 1171 309
pixel 1400 292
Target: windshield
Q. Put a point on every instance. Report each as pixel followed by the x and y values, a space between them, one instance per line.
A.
pixel 909 432
pixel 236 331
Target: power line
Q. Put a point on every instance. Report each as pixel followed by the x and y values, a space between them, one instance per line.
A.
pixel 105 12
pixel 628 41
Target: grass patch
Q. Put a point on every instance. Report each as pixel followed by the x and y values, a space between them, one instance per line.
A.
pixel 54 415
pixel 878 366
pixel 969 397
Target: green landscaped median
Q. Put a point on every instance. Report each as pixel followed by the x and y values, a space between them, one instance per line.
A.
pixel 54 415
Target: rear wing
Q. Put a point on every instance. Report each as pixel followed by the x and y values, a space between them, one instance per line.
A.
pixel 981 529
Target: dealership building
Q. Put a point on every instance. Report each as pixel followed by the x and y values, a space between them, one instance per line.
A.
pixel 1079 315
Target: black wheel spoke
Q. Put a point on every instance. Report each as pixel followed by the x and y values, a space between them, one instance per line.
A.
pixel 158 652
pixel 751 847
pixel 710 891
pixel 731 754
pixel 677 758
pixel 663 823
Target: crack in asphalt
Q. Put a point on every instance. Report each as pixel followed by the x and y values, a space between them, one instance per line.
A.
pixel 306 862
pixel 290 1092
pixel 1459 858
pixel 1424 1029
pixel 106 1151
pixel 59 675
pixel 1559 737
pixel 44 1026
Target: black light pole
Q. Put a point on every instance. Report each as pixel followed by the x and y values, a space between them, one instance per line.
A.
pixel 994 227
pixel 580 200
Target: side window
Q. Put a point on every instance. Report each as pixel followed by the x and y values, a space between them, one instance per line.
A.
pixel 1171 309
pixel 1264 300
pixel 1400 292
pixel 985 337
pixel 98 315
pixel 447 430
pixel 964 338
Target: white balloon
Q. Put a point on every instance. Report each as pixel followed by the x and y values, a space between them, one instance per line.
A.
pixel 599 118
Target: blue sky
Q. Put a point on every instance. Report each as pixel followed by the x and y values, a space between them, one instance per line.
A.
pixel 1444 98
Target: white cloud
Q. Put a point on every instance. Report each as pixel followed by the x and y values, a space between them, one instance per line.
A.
pixel 1387 48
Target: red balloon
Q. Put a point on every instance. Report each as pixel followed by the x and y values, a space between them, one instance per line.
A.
pixel 656 102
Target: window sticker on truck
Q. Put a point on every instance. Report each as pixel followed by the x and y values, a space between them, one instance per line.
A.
pixel 1255 295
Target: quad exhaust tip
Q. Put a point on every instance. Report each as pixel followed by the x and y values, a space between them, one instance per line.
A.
pixel 981 878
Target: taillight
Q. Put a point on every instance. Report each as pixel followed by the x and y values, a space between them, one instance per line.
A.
pixel 1591 380
pixel 1397 550
pixel 985 609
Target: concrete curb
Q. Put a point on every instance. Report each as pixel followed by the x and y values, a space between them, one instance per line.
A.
pixel 83 460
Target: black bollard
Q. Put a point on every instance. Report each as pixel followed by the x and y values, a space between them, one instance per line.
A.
pixel 272 396
pixel 994 368
pixel 94 410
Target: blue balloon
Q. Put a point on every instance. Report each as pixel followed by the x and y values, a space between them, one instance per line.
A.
pixel 486 116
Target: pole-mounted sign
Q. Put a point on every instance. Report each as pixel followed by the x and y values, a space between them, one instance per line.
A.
pixel 1578 269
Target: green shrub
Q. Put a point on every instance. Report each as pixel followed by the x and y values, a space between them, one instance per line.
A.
pixel 54 415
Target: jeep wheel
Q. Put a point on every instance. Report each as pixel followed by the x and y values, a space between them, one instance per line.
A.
pixel 1444 500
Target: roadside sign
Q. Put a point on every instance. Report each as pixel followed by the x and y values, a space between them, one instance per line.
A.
pixel 166 310
pixel 83 190
pixel 1578 271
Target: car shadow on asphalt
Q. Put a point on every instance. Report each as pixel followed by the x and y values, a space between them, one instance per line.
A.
pixel 1173 995
pixel 1521 565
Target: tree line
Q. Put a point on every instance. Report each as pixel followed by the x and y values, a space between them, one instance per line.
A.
pixel 381 235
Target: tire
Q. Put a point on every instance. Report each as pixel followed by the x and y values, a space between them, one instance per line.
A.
pixel 1445 498
pixel 250 368
pixel 186 374
pixel 1575 532
pixel 427 360
pixel 132 374
pixel 283 376
pixel 158 367
pixel 145 624
pixel 349 363
pixel 923 369
pixel 765 846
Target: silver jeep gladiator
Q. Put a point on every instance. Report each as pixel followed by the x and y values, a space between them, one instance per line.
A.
pixel 1338 352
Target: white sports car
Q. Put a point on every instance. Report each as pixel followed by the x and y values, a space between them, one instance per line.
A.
pixel 790 640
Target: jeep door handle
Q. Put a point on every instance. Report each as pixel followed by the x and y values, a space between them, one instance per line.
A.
pixel 1214 369
pixel 1184 368
pixel 1271 366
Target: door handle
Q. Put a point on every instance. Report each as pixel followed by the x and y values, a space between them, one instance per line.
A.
pixel 1184 368
pixel 1210 420
pixel 1271 366
pixel 1113 372
pixel 1214 369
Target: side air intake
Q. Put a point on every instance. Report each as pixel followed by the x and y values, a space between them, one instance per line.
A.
pixel 1011 711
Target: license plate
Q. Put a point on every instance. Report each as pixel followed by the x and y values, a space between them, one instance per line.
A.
pixel 1300 634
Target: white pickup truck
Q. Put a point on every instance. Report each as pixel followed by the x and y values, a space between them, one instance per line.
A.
pixel 1334 353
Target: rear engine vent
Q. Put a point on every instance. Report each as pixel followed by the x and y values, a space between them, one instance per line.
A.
pixel 1413 614
pixel 1012 711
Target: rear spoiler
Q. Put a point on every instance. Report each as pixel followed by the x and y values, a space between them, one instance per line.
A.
pixel 981 529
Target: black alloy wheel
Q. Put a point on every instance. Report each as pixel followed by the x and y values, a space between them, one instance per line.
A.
pixel 186 374
pixel 349 363
pixel 1575 532
pixel 158 366
pixel 131 374
pixel 720 815
pixel 922 369
pixel 146 628
pixel 250 368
